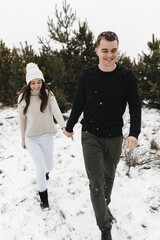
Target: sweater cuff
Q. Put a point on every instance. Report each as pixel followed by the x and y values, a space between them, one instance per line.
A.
pixel 69 129
pixel 134 135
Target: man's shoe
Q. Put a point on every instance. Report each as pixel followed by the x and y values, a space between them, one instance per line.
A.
pixel 106 235
pixel 111 218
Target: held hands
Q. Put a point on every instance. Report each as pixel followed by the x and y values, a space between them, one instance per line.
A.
pixel 23 143
pixel 68 134
pixel 131 142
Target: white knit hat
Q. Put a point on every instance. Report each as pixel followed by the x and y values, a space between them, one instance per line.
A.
pixel 32 72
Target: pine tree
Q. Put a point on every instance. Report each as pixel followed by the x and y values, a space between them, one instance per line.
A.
pixel 18 74
pixel 5 74
pixel 53 69
pixel 76 48
pixel 78 55
pixel 148 73
pixel 125 61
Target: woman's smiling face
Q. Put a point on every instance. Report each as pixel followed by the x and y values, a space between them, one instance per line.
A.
pixel 36 84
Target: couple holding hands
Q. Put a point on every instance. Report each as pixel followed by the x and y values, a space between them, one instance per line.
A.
pixel 102 93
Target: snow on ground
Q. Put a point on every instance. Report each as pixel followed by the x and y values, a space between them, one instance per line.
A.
pixel 135 198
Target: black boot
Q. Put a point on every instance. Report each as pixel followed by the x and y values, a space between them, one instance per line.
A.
pixel 106 235
pixel 111 218
pixel 44 200
pixel 47 175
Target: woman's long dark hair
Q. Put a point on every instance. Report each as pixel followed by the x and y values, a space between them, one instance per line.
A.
pixel 26 93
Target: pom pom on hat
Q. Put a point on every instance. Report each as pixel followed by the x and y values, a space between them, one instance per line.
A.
pixel 33 72
pixel 31 66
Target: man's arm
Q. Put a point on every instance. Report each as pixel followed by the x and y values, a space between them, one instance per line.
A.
pixel 134 103
pixel 78 107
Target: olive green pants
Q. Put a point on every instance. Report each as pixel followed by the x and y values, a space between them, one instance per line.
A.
pixel 101 156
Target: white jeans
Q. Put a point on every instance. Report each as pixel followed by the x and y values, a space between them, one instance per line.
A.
pixel 41 150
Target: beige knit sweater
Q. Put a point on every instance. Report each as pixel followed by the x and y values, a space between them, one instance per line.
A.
pixel 36 123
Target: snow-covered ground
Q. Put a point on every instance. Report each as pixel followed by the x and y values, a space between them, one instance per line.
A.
pixel 135 198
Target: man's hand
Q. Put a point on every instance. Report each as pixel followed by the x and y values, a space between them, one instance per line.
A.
pixel 68 134
pixel 131 142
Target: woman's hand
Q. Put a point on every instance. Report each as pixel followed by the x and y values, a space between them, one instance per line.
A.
pixel 68 134
pixel 23 143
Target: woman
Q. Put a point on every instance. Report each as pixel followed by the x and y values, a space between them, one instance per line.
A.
pixel 37 106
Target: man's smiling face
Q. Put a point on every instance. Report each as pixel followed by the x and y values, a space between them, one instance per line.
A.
pixel 107 51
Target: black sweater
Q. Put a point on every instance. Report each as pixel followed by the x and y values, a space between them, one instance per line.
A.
pixel 102 97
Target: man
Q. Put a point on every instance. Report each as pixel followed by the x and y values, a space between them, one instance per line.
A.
pixel 102 94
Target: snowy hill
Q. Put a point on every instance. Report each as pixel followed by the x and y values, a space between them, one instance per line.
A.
pixel 135 198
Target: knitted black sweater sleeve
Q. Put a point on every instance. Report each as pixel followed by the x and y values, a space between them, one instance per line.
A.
pixel 78 104
pixel 134 103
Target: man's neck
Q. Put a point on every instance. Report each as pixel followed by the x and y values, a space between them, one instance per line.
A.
pixel 107 69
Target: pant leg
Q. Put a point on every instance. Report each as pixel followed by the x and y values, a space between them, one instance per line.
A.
pixel 94 161
pixel 111 159
pixel 46 143
pixel 35 150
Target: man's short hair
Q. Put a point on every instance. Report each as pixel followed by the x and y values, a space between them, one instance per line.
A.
pixel 109 36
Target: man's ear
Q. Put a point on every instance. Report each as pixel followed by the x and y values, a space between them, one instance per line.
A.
pixel 96 50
